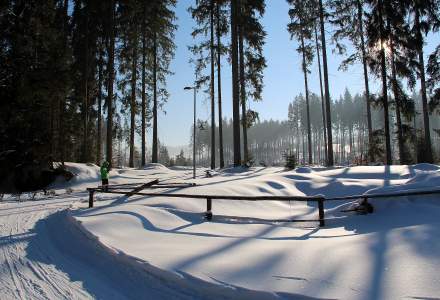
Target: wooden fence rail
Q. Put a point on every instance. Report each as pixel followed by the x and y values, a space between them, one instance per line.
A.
pixel 208 214
pixel 209 198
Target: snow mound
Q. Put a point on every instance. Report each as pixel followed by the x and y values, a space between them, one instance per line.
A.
pixel 236 170
pixel 155 166
pixel 395 249
pixel 415 178
pixel 426 167
pixel 83 172
pixel 181 168
pixel 303 170
pixel 424 178
pixel 84 175
pixel 126 268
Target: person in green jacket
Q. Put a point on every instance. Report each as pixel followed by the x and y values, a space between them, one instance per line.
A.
pixel 104 175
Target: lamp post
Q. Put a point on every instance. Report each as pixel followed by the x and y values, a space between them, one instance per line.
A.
pixel 194 128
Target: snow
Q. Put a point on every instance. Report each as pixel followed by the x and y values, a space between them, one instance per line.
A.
pixel 137 246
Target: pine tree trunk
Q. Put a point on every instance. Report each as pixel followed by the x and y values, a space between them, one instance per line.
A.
pixel 111 78
pixel 397 104
pixel 212 58
pixel 367 88
pixel 235 85
pixel 303 148
pixel 86 93
pixel 144 100
pixel 306 86
pixel 322 96
pixel 427 133
pixel 330 161
pixel 52 127
pixel 133 98
pixel 219 89
pixel 350 136
pixel 154 158
pixel 62 139
pixel 99 129
pixel 243 94
pixel 388 157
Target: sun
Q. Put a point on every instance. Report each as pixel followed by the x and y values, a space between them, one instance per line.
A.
pixel 386 46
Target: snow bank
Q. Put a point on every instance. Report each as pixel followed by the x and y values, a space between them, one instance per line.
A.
pixel 85 175
pixel 137 272
pixel 303 170
pixel 391 254
pixel 155 166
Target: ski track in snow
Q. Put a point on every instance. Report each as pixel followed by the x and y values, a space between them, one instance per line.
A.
pixel 23 277
pixel 35 262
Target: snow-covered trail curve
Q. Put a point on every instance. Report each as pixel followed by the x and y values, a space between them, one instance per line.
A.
pixel 42 256
pixel 25 256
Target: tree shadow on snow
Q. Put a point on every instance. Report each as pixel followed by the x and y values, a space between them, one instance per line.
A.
pixel 55 241
pixel 413 223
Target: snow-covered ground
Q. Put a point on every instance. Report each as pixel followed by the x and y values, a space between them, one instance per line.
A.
pixel 157 248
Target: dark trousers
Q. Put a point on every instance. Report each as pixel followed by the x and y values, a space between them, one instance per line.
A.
pixel 104 184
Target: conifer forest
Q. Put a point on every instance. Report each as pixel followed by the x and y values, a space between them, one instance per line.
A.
pixel 85 81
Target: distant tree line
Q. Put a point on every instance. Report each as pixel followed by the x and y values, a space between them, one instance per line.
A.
pixel 387 37
pixel 269 140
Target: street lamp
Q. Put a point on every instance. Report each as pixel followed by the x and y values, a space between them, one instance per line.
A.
pixel 187 88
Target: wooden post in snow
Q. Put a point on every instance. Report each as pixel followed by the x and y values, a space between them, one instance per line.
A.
pixel 91 192
pixel 208 214
pixel 321 212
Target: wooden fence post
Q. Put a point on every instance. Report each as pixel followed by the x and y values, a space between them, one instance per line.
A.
pixel 321 212
pixel 91 192
pixel 208 214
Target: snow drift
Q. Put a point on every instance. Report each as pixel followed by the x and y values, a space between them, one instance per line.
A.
pixel 390 254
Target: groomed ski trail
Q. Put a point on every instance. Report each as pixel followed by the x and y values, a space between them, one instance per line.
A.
pixel 44 256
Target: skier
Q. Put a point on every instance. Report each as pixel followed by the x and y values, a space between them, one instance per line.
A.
pixel 104 175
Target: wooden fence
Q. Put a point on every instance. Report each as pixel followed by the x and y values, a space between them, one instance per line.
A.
pixel 209 198
pixel 121 189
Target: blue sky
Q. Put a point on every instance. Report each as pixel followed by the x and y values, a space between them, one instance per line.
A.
pixel 283 79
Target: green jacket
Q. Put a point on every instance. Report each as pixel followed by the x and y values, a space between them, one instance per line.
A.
pixel 104 172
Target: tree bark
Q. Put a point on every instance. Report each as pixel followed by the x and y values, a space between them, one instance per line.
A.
pixel 398 104
pixel 367 88
pixel 322 96
pixel 86 92
pixel 144 100
pixel 111 78
pixel 154 158
pixel 243 92
pixel 388 157
pixel 99 129
pixel 219 90
pixel 212 58
pixel 235 85
pixel 62 139
pixel 426 129
pixel 133 97
pixel 306 86
pixel 330 161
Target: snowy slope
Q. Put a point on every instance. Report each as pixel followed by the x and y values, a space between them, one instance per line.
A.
pixel 391 254
pixel 44 255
